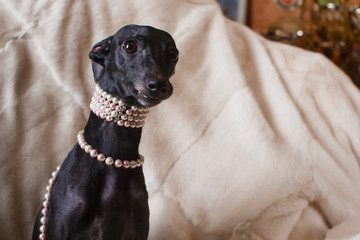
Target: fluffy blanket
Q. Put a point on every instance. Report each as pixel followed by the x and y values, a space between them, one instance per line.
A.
pixel 260 140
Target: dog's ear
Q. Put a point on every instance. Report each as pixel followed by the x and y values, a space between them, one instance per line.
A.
pixel 98 55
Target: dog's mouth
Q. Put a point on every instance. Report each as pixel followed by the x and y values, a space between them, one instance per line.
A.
pixel 146 100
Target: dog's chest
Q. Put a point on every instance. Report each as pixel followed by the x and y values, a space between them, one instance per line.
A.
pixel 120 202
pixel 102 204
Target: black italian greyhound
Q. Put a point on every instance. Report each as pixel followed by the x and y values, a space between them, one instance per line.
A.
pixel 99 191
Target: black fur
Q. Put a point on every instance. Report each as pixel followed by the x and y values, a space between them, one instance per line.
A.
pixel 91 200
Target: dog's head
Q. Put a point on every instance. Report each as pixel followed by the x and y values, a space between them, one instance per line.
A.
pixel 135 64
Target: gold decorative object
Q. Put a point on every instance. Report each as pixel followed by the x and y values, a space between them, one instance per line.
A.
pixel 332 28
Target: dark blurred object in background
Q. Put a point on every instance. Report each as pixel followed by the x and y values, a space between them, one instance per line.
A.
pixel 331 27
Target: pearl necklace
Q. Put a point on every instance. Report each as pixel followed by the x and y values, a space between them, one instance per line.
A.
pixel 108 160
pixel 110 108
pixel 46 204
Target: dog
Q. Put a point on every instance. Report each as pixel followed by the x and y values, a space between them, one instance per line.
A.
pixel 91 197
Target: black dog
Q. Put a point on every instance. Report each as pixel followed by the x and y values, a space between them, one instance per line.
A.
pixel 89 199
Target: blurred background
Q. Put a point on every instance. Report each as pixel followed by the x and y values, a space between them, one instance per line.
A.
pixel 331 27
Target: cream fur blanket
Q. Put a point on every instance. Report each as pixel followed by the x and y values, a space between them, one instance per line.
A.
pixel 260 140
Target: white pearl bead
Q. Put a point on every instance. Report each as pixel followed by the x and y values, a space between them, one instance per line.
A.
pixel 47 196
pixel 54 174
pixel 42 228
pixel 88 148
pixel 118 163
pixel 42 236
pixel 134 108
pixel 121 103
pixel 46 203
pixel 109 161
pixel 114 114
pixel 115 100
pixel 108 111
pixel 44 211
pixel 124 117
pixel 138 162
pixel 43 220
pixel 93 153
pixel 51 181
pixel 133 164
pixel 126 164
pixel 48 188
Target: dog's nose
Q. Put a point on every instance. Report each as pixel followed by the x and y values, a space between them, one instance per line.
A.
pixel 159 87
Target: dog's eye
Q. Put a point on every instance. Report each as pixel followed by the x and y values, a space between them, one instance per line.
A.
pixel 173 55
pixel 129 47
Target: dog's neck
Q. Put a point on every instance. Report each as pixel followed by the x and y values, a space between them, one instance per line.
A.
pixel 112 140
pixel 113 127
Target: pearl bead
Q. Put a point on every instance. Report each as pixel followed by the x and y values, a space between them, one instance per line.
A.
pixel 54 174
pixel 108 97
pixel 120 123
pixel 127 124
pixel 109 118
pixel 124 117
pixel 118 163
pixel 82 144
pixel 115 100
pixel 47 196
pixel 88 148
pixel 43 220
pixel 93 153
pixel 138 163
pixel 121 103
pixel 51 181
pixel 134 108
pixel 109 161
pixel 44 211
pixel 48 188
pixel 42 228
pixel 126 164
pixel 46 204
pixel 100 157
pixel 42 236
pixel 114 114
pixel 133 164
